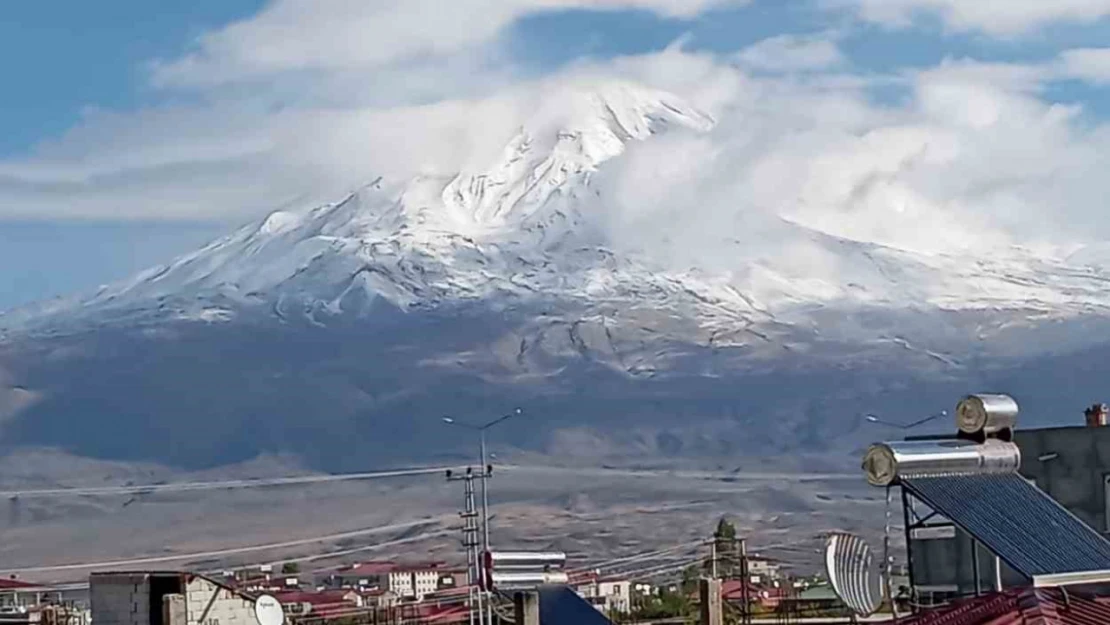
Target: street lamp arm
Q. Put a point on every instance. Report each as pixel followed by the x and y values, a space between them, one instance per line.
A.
pixel 512 414
pixel 462 424
pixel 942 413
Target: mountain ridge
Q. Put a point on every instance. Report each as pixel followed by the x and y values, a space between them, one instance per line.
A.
pixel 364 320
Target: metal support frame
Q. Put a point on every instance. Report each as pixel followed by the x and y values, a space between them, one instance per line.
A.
pixel 913 522
pixel 909 547
pixel 470 542
pixel 976 571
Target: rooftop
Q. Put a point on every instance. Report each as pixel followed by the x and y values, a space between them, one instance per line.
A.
pixel 1020 606
pixel 367 568
pixel 15 584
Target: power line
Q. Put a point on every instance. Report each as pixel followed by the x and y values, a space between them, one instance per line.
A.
pixel 647 555
pixel 345 552
pixel 656 571
pixel 320 556
pixel 230 551
pixel 218 485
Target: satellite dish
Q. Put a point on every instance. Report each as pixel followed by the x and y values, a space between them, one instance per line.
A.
pixel 854 572
pixel 267 610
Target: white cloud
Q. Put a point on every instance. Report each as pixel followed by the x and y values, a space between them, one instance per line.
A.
pixel 787 53
pixel 974 157
pixel 345 35
pixel 299 102
pixel 1090 64
pixel 996 17
pixel 974 161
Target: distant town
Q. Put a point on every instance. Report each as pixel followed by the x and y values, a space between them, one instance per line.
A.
pixel 999 524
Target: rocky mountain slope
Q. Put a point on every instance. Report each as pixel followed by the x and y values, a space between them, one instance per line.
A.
pixel 354 325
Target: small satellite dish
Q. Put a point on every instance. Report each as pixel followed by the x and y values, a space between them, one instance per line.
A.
pixel 268 611
pixel 854 572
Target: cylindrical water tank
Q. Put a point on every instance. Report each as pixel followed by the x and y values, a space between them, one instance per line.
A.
pixel 497 560
pixel 986 414
pixel 527 580
pixel 886 463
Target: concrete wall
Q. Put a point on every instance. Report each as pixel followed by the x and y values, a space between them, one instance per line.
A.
pixel 1071 465
pixel 207 603
pixel 125 599
pixel 122 599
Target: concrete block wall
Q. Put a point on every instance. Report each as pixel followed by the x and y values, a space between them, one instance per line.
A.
pixel 1073 469
pixel 228 608
pixel 173 610
pixel 120 599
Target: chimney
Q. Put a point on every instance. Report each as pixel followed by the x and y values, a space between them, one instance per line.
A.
pixel 1098 415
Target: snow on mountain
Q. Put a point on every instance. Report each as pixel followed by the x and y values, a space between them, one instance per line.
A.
pixel 526 228
pixel 506 284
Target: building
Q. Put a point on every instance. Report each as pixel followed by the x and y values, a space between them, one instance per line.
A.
pixel 361 575
pixel 608 594
pixel 1071 464
pixel 410 581
pixel 17 595
pixel 1021 606
pixel 817 600
pixel 763 570
pixel 415 581
pixel 167 598
pixel 377 598
pixel 330 603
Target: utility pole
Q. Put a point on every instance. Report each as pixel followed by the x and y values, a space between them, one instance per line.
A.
pixel 470 543
pixel 709 591
pixel 744 579
pixel 713 557
pixel 487 472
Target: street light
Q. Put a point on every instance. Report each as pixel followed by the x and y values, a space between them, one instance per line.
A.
pixel 481 429
pixel 904 426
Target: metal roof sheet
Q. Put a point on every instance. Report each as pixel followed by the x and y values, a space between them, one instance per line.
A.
pixel 1019 606
pixel 559 605
pixel 1017 521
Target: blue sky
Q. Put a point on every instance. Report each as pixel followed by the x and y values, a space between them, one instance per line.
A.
pixel 133 131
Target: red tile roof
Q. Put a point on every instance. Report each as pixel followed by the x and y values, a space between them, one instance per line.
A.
pixel 443 614
pixel 321 598
pixel 368 568
pixel 15 584
pixel 412 567
pixel 733 590
pixel 1020 606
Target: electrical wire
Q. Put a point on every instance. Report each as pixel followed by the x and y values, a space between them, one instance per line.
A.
pixel 216 485
pixel 647 555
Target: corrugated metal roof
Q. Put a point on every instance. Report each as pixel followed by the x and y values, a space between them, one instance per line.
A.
pixel 1017 521
pixel 1020 606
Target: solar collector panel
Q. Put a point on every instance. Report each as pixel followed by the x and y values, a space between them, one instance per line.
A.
pixel 1025 527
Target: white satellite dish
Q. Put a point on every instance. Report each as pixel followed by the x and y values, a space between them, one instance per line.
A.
pixel 267 610
pixel 854 572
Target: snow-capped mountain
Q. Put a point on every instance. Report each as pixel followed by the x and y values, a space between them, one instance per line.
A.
pixel 527 227
pixel 508 275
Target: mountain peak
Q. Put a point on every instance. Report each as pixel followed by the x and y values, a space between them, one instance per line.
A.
pixel 511 225
pixel 593 124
